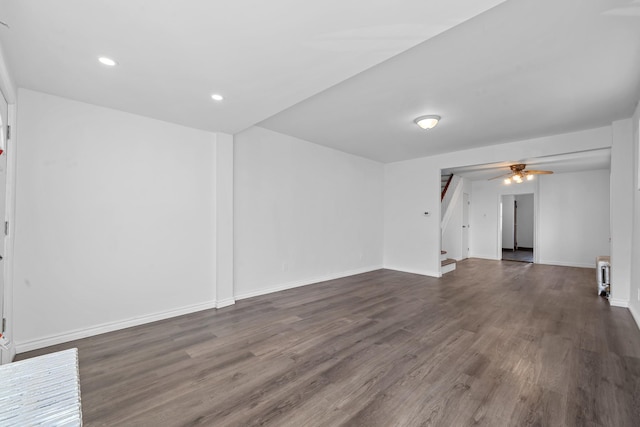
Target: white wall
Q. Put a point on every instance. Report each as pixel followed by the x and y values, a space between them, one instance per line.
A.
pixel 507 220
pixel 452 232
pixel 412 240
pixel 573 218
pixel 623 190
pixel 525 220
pixel 222 176
pixel 114 220
pixel 634 292
pixel 452 237
pixel 303 213
pixel 485 217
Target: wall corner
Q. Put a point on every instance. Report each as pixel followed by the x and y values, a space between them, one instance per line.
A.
pixel 223 219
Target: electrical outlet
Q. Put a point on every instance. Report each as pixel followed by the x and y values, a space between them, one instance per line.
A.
pixel 638 294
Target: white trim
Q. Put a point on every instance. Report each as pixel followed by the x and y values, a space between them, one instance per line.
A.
pixel 21 347
pixel 412 271
pixel 635 315
pixel 7 85
pixel 619 303
pixel 465 247
pixel 305 282
pixel 489 257
pixel 567 264
pixel 225 302
pixel 9 241
pixel 536 222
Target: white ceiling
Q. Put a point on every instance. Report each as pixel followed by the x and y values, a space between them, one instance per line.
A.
pixel 563 163
pixel 524 69
pixel 263 56
pixel 521 69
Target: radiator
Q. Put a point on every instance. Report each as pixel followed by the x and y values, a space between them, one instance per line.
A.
pixel 603 273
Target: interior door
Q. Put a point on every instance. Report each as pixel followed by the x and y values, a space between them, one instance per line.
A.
pixel 3 192
pixel 465 225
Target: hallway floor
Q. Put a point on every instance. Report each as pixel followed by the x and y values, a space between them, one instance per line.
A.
pixel 521 255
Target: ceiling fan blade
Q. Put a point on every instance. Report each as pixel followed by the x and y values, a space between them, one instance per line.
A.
pixel 535 172
pixel 500 176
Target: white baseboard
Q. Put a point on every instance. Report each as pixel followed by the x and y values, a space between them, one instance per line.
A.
pixel 481 256
pixel 305 282
pixel 635 315
pixel 619 302
pixel 413 271
pixel 225 302
pixel 568 264
pixel 21 347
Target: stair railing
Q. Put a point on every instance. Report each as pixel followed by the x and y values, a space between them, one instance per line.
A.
pixel 444 191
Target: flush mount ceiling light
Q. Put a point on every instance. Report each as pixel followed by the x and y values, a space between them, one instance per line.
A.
pixel 427 122
pixel 217 97
pixel 107 61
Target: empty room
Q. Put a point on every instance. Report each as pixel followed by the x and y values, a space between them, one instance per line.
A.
pixel 346 213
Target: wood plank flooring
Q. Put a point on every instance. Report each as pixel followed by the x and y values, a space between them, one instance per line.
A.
pixel 521 255
pixel 492 343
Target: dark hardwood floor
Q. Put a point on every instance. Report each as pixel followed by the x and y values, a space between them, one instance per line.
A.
pixel 492 343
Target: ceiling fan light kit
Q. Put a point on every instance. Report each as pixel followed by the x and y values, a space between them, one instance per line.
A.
pixel 518 174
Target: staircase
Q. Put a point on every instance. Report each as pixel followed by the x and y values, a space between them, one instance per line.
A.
pixel 447 185
pixel 446 264
pixel 445 180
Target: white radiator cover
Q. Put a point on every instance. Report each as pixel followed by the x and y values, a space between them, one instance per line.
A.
pixel 43 391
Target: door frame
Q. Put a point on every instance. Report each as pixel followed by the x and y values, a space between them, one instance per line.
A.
pixel 8 89
pixel 466 208
pixel 9 240
pixel 536 210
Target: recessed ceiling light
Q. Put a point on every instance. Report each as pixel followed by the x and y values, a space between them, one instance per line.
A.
pixel 427 122
pixel 107 61
pixel 217 97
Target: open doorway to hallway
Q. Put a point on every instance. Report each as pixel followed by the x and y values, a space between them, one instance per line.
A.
pixel 579 184
pixel 517 227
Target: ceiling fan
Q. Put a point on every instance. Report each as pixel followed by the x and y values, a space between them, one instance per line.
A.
pixel 518 174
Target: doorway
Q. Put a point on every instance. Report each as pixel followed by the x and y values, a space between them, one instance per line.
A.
pixel 517 227
pixel 4 119
pixel 465 225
